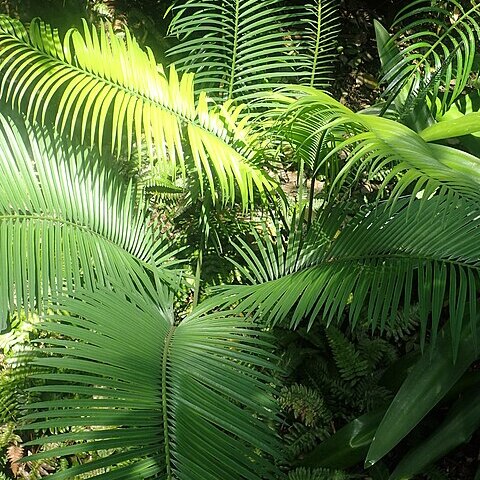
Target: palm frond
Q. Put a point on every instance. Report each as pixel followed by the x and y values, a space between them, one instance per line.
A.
pixel 185 401
pixel 65 221
pixel 414 250
pixel 114 92
pixel 240 48
pixel 375 144
pixel 437 42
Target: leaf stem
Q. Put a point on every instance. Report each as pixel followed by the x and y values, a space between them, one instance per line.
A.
pixel 166 350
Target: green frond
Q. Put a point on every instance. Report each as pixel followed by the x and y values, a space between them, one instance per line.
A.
pixel 348 360
pixel 317 474
pixel 241 48
pixel 114 92
pixel 436 43
pixel 380 259
pixel 375 144
pixel 237 48
pixel 404 324
pixel 65 221
pixel 15 379
pixel 8 435
pixel 321 18
pixel 182 401
pixel 306 404
pixel 299 439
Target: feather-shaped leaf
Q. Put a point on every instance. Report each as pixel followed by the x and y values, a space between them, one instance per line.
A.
pixel 437 44
pixel 65 221
pixel 379 260
pixel 189 401
pixel 241 48
pixel 375 144
pixel 320 35
pixel 114 92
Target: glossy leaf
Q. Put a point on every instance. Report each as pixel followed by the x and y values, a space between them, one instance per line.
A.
pixel 428 382
pixel 457 127
pixel 462 421
pixel 348 446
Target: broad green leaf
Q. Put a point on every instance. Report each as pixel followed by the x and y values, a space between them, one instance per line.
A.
pixel 463 125
pixel 428 382
pixel 348 446
pixel 462 421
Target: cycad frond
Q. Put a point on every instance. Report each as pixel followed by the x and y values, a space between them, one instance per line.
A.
pixel 115 92
pixel 237 48
pixel 376 144
pixel 320 36
pixel 380 259
pixel 65 221
pixel 242 47
pixel 437 44
pixel 187 401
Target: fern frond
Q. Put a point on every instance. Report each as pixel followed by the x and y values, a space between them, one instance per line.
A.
pixel 115 92
pixel 306 403
pixel 404 323
pixel 317 474
pixel 299 439
pixel 349 363
pixel 8 435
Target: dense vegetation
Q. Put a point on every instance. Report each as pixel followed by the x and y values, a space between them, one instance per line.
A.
pixel 212 268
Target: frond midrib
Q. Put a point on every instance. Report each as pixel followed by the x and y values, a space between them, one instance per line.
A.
pixel 381 256
pixel 166 425
pixel 234 49
pixel 317 44
pixel 440 39
pixel 58 220
pixel 55 60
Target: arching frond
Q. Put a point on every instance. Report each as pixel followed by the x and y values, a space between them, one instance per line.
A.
pixel 188 401
pixel 437 42
pixel 65 221
pixel 378 143
pixel 424 250
pixel 114 92
pixel 242 47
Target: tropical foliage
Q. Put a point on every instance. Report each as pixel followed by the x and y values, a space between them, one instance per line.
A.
pixel 239 51
pixel 339 310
